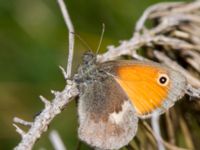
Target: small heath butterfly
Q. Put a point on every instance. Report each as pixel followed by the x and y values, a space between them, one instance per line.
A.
pixel 114 94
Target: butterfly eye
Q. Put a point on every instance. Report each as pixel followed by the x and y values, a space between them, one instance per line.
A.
pixel 163 79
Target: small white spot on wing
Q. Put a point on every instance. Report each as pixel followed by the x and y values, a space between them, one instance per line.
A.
pixel 118 117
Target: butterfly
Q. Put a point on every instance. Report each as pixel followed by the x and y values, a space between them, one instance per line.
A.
pixel 115 94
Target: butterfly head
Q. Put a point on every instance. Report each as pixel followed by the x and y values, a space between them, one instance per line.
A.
pixel 87 69
pixel 89 58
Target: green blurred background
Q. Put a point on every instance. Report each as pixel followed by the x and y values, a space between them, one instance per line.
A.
pixel 34 42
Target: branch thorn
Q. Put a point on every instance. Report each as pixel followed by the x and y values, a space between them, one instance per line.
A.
pixel 45 101
pixel 20 131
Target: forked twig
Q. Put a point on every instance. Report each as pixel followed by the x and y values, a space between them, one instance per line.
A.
pixel 70 27
pixel 60 100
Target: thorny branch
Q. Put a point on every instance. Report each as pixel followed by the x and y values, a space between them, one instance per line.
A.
pixel 172 40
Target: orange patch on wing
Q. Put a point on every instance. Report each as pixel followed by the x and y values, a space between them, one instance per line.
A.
pixel 140 84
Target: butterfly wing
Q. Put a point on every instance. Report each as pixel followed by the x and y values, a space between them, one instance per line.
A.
pixel 143 84
pixel 107 119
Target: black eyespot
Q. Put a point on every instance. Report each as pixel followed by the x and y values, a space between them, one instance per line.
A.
pixel 162 80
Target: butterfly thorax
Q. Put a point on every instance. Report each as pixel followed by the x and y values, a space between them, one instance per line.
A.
pixel 88 71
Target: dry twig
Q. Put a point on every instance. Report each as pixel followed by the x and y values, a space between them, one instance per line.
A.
pixel 56 141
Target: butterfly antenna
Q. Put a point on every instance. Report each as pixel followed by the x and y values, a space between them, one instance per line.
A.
pixel 101 38
pixel 83 41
